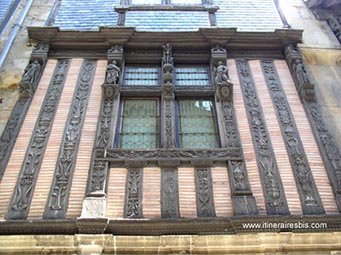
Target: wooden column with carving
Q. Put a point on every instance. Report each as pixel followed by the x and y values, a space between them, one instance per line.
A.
pixel 310 198
pixel 329 151
pixel 271 180
pixel 60 190
pixel 243 200
pixel 169 176
pixel 27 87
pixel 30 168
pixel 94 204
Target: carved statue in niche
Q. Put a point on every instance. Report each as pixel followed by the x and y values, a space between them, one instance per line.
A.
pixel 167 63
pixel 301 73
pixel 113 73
pixel 222 81
pixel 30 76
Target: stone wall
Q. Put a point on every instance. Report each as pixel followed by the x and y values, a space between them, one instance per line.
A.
pixel 256 243
pixel 322 56
pixel 18 57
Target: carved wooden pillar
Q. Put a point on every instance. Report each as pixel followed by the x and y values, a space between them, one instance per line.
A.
pixel 60 189
pixel 27 87
pixel 326 143
pixel 335 24
pixel 268 169
pixel 167 112
pixel 30 167
pixel 243 200
pixel 94 204
pixel 310 198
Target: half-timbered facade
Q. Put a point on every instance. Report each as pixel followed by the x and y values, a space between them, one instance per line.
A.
pixel 165 119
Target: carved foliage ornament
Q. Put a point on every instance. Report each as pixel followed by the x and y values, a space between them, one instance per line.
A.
pixel 169 193
pixel 204 193
pixel 272 185
pixel 310 199
pixel 67 156
pixel 32 162
pixel 133 206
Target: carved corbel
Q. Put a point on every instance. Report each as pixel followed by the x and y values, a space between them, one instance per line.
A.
pixel 222 82
pixel 304 87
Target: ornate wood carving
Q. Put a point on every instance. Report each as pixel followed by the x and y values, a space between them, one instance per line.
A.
pixel 27 87
pixel 327 146
pixel 31 165
pixel 167 118
pixel 61 185
pixel 310 199
pixel 204 192
pixel 11 132
pixel 267 165
pixel 243 201
pixel 105 128
pixel 133 200
pixel 183 155
pixel 169 193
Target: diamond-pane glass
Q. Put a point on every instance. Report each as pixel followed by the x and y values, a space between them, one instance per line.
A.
pixel 141 76
pixel 192 76
pixel 139 124
pixel 197 124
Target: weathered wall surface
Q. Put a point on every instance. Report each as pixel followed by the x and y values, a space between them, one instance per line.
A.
pixel 322 56
pixel 151 181
pixel 261 243
pixel 18 57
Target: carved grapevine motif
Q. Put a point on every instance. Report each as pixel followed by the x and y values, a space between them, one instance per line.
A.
pixel 274 193
pixel 311 203
pixel 133 193
pixel 205 205
pixel 170 194
pixel 31 165
pixel 68 152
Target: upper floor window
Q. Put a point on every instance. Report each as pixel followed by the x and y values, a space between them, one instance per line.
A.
pixel 141 76
pixel 192 76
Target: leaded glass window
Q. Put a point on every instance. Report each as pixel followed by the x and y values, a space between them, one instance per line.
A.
pixel 141 76
pixel 192 76
pixel 197 125
pixel 139 124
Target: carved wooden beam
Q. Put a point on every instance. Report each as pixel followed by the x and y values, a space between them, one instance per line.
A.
pixel 268 169
pixel 310 198
pixel 61 185
pixel 27 87
pixel 133 199
pixel 169 193
pixel 30 168
pixel 243 202
pixel 328 149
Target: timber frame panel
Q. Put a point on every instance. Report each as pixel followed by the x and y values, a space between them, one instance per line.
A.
pixel 65 44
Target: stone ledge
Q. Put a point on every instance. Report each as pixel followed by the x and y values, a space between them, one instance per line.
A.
pixel 260 243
